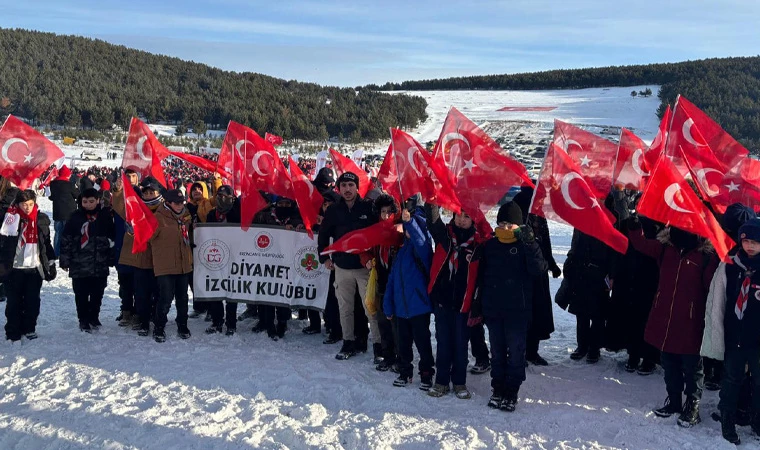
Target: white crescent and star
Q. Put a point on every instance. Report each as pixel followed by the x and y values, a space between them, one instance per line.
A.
pixel 732 187
pixel 410 160
pixel 585 161
pixel 448 137
pixel 702 175
pixel 255 163
pixel 686 130
pixel 140 147
pixel 7 147
pixel 636 163
pixel 135 204
pixel 669 197
pixel 565 188
pixel 239 144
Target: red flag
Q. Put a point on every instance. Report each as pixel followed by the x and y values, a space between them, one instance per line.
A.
pixel 138 216
pixel 594 155
pixel 143 153
pixel 669 199
pixel 51 176
pixel 741 185
pixel 631 168
pixel 345 164
pixel 563 195
pixel 201 163
pixel 251 202
pixel 308 199
pixel 658 144
pixel 25 153
pixel 246 153
pixel 706 171
pixel 409 169
pixel 383 233
pixel 273 139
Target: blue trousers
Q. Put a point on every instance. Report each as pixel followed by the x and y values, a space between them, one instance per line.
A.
pixel 58 226
pixel 452 335
pixel 508 341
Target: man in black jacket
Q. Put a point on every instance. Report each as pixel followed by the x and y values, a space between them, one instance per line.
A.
pixel 63 194
pixel 349 214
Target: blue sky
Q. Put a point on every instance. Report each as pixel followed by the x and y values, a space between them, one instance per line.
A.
pixel 350 43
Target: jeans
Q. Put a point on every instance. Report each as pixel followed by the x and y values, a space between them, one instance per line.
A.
pixel 684 374
pixel 734 374
pixel 452 335
pixel 172 287
pixel 508 341
pixel 58 226
pixel 414 330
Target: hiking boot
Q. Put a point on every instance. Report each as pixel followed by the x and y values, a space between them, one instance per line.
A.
pixel 690 414
pixel 728 428
pixel 461 391
pixel 537 360
pixel 377 350
pixel 213 329
pixel 402 381
pixel 426 382
pixel 85 326
pixel 384 365
pixel 311 330
pixel 480 367
pixel 495 400
pixel 143 330
pixel 646 368
pixel 95 324
pixel 632 365
pixel 125 318
pixel 668 409
pixel 438 390
pixel 347 350
pixel 230 331
pixel 159 335
pixel 579 353
pixel 183 331
pixel 593 356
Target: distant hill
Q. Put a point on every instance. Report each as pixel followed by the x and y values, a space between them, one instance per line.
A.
pixel 76 81
pixel 728 89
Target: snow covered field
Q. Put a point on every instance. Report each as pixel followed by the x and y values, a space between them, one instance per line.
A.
pixel 115 390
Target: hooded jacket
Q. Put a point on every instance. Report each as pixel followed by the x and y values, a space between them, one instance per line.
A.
pixel 172 254
pixel 88 256
pixel 200 208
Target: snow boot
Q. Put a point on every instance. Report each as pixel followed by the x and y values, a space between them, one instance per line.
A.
pixel 384 365
pixel 426 381
pixel 579 353
pixel 537 360
pixel 377 350
pixel 480 367
pixel 183 332
pixel 669 408
pixel 438 390
pixel 728 427
pixel 159 335
pixel 690 415
pixel 347 350
pixel 495 400
pixel 311 330
pixel 143 330
pixel 230 331
pixel 632 365
pixel 85 326
pixel 402 381
pixel 593 356
pixel 509 402
pixel 646 368
pixel 461 391
pixel 125 318
pixel 213 329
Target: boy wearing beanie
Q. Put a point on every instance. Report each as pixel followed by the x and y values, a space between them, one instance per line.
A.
pixel 507 265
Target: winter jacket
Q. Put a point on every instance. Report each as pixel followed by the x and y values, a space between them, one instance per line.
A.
pixel 64 195
pixel 172 255
pixel 201 208
pixel 232 216
pixel 506 275
pixel 584 290
pixel 142 260
pixel 677 319
pixel 9 245
pixel 94 259
pixel 446 291
pixel 85 183
pixel 406 292
pixel 340 220
pixel 723 327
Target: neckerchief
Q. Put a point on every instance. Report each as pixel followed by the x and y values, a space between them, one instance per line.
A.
pixel 454 249
pixel 85 231
pixel 220 216
pixel 278 221
pixel 743 298
pixel 181 223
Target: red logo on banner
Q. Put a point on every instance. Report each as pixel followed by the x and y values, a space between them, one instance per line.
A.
pixel 263 241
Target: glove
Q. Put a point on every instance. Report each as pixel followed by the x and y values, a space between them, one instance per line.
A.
pixel 556 271
pixel 525 234
pixel 51 272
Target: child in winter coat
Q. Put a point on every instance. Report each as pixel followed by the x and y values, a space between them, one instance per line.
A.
pixel 507 266
pixel 406 300
pixel 86 254
pixel 26 258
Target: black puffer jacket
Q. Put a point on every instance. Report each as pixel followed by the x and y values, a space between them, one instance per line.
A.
pixel 96 256
pixel 64 195
pixel 340 220
pixel 583 288
pixel 8 245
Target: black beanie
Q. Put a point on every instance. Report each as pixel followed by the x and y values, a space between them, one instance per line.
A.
pixel 750 230
pixel 735 216
pixel 510 212
pixel 348 177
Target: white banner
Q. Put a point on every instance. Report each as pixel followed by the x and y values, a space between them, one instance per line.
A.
pixel 266 265
pixel 321 161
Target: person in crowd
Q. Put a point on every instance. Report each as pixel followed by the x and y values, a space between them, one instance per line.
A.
pixel 324 181
pixel 542 324
pixel 26 258
pixel 86 255
pixel 406 300
pixel 227 210
pixel 125 274
pixel 88 181
pixel 676 322
pixel 8 194
pixel 64 196
pixel 331 313
pixel 172 262
pixel 350 213
pixel 199 204
pixel 507 266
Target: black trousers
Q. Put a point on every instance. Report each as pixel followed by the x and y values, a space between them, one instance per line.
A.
pixel 332 313
pixel 388 340
pixel 221 314
pixel 684 375
pixel 267 315
pixel 508 354
pixel 478 344
pixel 589 332
pixel 88 295
pixel 22 307
pixel 172 287
pixel 146 294
pixel 735 365
pixel 415 330
pixel 127 289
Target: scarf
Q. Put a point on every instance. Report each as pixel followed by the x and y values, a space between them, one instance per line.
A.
pixel 505 236
pixel 85 230
pixel 155 201
pixel 26 250
pixel 221 217
pixel 181 223
pixel 454 249
pixel 743 298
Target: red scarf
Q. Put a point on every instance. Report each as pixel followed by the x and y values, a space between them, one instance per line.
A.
pixel 29 233
pixel 741 301
pixel 86 229
pixel 454 249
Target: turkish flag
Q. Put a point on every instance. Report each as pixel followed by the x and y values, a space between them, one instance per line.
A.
pixel 631 168
pixel 408 169
pixel 143 153
pixel 343 164
pixel 384 233
pixel 308 199
pixel 741 184
pixel 563 195
pixel 245 154
pixel 251 202
pixel 657 147
pixel 201 163
pixel 26 154
pixel 139 217
pixel 706 171
pixel 51 176
pixel 669 199
pixel 273 139
pixel 594 155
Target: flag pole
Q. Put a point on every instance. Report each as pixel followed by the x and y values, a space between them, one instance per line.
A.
pixel 398 173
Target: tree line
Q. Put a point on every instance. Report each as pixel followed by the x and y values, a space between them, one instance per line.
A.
pixel 87 83
pixel 728 89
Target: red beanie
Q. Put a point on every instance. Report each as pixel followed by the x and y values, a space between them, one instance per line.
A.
pixel 64 173
pixel 105 186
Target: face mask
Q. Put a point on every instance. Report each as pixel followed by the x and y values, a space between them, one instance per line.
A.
pixel 283 211
pixel 225 203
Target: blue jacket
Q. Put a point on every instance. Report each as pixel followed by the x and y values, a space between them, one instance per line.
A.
pixel 406 294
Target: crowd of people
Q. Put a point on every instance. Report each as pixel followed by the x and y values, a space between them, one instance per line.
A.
pixel 668 301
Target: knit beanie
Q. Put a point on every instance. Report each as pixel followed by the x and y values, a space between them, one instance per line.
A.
pixel 510 212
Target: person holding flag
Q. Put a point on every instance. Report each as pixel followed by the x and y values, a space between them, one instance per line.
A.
pixel 63 194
